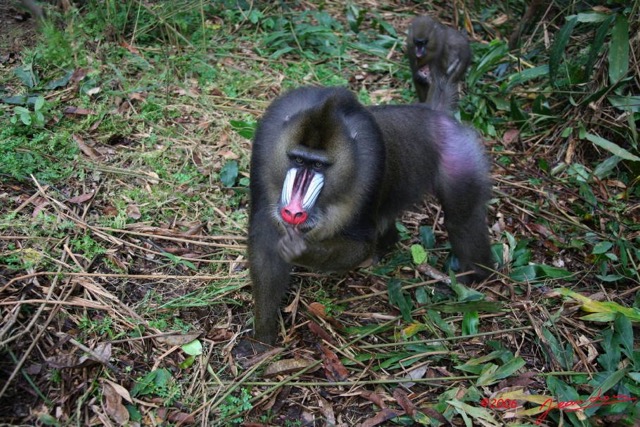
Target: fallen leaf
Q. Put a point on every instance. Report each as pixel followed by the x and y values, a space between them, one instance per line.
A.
pixel 510 136
pixel 81 198
pixel 333 368
pixel 93 91
pixel 79 74
pixel 137 96
pixel 133 212
pixel 113 404
pixel 78 111
pixel 129 48
pixel 178 339
pixel 375 398
pixel 327 410
pixel 318 310
pixel 88 151
pixel 153 178
pixel 321 333
pixel 286 366
pixel 101 354
pixel 176 416
pixel 384 415
pixel 403 400
pixel 123 392
pixel 219 334
pixel 229 155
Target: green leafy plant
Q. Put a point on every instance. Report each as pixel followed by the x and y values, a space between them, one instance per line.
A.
pixel 235 404
pixel 160 383
pixel 28 118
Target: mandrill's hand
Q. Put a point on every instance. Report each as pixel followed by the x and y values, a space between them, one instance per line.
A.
pixel 291 245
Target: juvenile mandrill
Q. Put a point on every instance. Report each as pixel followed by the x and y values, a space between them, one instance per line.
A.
pixel 329 177
pixel 434 48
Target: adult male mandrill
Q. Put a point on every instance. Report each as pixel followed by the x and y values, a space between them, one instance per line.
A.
pixel 329 177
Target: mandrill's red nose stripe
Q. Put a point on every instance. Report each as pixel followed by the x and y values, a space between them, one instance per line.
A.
pixel 294 212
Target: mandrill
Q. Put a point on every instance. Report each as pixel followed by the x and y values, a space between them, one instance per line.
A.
pixel 435 49
pixel 330 176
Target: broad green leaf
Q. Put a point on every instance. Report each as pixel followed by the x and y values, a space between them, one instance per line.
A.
pixel 606 167
pixel 422 419
pixel 601 248
pixel 524 273
pixel 186 363
pixel 619 49
pixel 15 100
pixel 498 52
pixel 476 365
pixel 466 294
pixel 592 17
pixel 355 16
pixel 61 82
pixel 625 103
pixel 612 147
pixel 599 317
pixel 412 329
pixel 470 323
pixel 549 272
pixel 422 297
pixel 39 103
pixel 501 372
pixel 607 307
pixel 229 173
pixel 244 129
pixel 476 413
pixel 150 382
pixel 624 329
pixel 516 113
pixel 635 376
pixel 398 298
pixel 194 348
pixel 427 237
pixel 562 354
pixel 27 75
pixel 557 49
pixel 418 254
pixel 436 318
pixel 608 383
pixel 526 75
pixel 611 357
pixel 596 45
pixel 561 390
pixel 25 118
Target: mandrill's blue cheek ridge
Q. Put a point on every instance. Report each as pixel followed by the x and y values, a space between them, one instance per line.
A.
pixel 287 186
pixel 315 187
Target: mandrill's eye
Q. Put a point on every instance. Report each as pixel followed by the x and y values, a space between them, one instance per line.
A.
pixel 298 161
pixel 318 165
